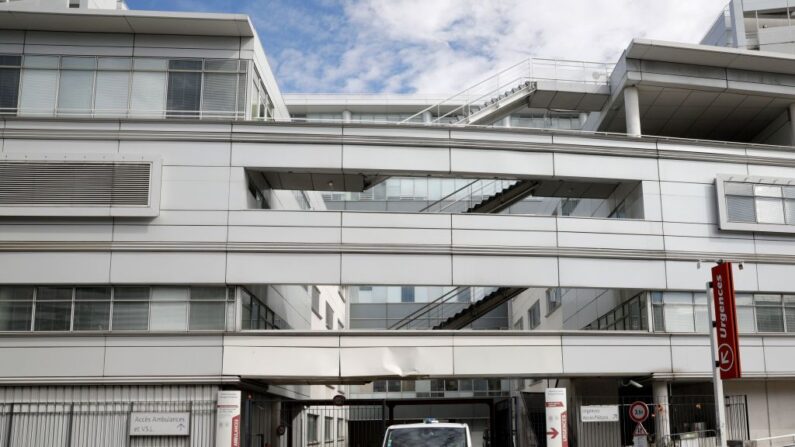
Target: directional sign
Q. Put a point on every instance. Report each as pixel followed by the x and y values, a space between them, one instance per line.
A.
pixel 159 424
pixel 726 321
pixel 638 411
pixel 557 425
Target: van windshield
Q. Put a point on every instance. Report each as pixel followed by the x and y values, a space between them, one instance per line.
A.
pixel 427 437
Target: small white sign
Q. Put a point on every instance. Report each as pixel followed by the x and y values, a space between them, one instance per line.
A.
pixel 159 424
pixel 599 413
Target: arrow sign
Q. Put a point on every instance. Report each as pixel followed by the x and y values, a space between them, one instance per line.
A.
pixel 552 433
pixel 726 322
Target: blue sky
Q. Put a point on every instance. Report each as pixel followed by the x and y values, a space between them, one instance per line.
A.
pixel 441 46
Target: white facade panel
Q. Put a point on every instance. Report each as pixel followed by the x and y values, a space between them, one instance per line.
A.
pixel 56 232
pixel 697 171
pixel 614 273
pixel 686 275
pixel 688 202
pixel 281 156
pixel 54 267
pixel 582 166
pixel 628 354
pixel 283 268
pixel 505 270
pixel 169 233
pixel 776 277
pixel 494 162
pixel 396 159
pixel 129 361
pixel 396 269
pixel 504 238
pixel 181 153
pixel 168 268
pixel 195 188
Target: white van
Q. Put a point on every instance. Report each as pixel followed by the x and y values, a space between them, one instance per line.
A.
pixel 431 434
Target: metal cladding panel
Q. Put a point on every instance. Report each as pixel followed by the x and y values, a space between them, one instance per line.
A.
pixel 41 187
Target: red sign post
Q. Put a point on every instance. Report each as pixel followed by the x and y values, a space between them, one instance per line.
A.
pixel 726 322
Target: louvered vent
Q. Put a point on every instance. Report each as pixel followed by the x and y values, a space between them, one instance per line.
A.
pixel 74 184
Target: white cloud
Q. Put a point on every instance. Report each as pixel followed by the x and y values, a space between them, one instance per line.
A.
pixel 438 46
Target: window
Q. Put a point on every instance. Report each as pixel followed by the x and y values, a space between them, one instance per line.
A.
pixel 328 429
pixel 148 96
pixel 554 299
pixel 130 309
pixel 534 315
pixel 769 313
pixel 257 315
pixel 53 309
pixel 92 309
pixel 74 3
pixel 9 83
pixel 219 96
pixel 169 309
pixel 184 88
pixel 340 429
pixel 519 324
pixel 316 301
pixel 207 308
pixel 770 202
pixel 329 317
pixel 302 200
pixel 16 308
pixel 75 89
pixel 112 90
pixel 407 294
pixel 312 428
pixel 39 84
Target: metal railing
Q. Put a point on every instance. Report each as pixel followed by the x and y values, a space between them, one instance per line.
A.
pixel 457 107
pixel 469 195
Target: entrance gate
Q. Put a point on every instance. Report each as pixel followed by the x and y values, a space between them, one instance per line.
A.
pixel 363 422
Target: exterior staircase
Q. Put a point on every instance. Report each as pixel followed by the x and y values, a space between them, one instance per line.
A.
pixel 480 308
pixel 483 196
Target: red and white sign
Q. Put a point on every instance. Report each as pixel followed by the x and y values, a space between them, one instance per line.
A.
pixel 557 431
pixel 638 411
pixel 726 321
pixel 640 430
pixel 227 433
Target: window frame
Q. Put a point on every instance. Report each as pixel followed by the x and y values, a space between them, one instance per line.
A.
pixel 723 212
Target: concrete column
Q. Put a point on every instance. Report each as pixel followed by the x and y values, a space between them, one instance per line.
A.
pixel 347 117
pixel 792 124
pixel 632 111
pixel 662 419
pixel 427 117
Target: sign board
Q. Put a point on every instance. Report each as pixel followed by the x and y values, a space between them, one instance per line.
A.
pixel 159 424
pixel 599 413
pixel 638 411
pixel 227 430
pixel 557 424
pixel 726 321
pixel 640 430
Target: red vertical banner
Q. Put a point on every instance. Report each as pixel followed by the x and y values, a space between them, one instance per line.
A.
pixel 726 321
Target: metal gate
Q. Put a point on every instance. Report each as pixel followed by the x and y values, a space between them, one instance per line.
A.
pixel 358 422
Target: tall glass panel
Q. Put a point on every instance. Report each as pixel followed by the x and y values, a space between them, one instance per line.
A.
pixel 184 94
pixel 769 313
pixel 219 95
pixel 39 85
pixel 169 309
pixel 16 308
pixel 76 87
pixel 92 309
pixel 130 308
pixel 112 93
pixel 148 98
pixel 207 308
pixel 53 309
pixel 9 83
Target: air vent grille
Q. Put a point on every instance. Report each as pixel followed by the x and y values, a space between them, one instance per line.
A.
pixel 74 184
